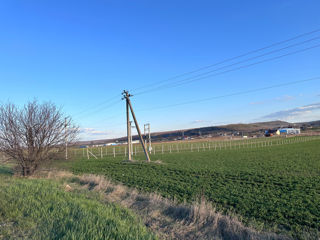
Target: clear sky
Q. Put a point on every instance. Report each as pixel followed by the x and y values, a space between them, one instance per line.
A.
pixel 82 54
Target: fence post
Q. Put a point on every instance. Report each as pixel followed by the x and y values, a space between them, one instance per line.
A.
pixel 114 152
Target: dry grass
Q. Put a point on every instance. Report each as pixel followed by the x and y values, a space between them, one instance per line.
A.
pixel 53 174
pixel 167 218
pixel 97 183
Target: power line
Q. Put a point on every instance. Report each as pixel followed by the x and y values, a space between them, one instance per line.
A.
pixel 90 112
pixel 198 77
pixel 229 59
pixel 230 65
pixel 106 119
pixel 213 98
pixel 109 100
pixel 95 108
pixel 227 71
pixel 232 94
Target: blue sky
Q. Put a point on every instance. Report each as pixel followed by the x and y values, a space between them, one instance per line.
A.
pixel 82 54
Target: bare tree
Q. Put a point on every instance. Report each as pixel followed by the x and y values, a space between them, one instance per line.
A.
pixel 34 133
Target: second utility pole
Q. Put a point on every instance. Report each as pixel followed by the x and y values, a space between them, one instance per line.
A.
pixel 127 96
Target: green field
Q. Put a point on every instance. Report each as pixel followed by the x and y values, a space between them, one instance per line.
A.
pixel 275 187
pixel 42 209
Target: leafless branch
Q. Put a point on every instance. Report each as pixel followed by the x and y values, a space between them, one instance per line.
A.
pixel 34 133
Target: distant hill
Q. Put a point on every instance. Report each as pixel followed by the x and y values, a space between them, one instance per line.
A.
pixel 241 129
pixel 311 124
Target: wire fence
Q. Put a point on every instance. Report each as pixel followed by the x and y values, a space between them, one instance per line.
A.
pixel 188 146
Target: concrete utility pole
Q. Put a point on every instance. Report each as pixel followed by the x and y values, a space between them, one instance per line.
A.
pixel 147 131
pixel 66 137
pixel 127 96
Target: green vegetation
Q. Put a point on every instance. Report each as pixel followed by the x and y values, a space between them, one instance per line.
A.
pixel 274 187
pixel 42 209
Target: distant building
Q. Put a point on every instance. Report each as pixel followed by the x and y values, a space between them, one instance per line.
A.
pixel 289 131
pixel 111 144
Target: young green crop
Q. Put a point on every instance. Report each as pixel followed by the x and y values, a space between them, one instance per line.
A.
pixel 275 186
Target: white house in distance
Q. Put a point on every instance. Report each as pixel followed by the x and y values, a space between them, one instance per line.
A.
pixel 290 131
